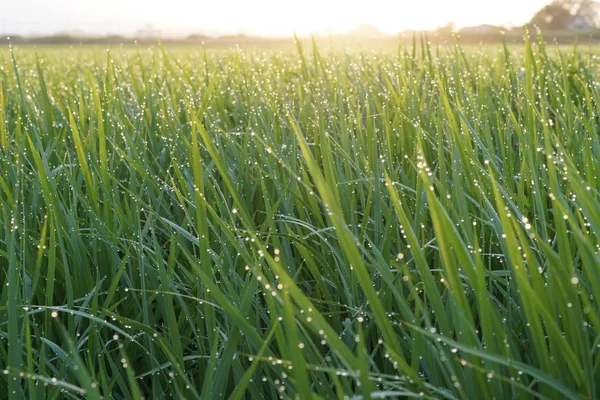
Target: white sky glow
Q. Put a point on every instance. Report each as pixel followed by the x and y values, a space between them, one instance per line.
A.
pixel 258 17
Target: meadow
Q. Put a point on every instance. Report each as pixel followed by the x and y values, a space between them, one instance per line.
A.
pixel 313 222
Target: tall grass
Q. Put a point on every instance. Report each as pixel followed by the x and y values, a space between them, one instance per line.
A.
pixel 245 224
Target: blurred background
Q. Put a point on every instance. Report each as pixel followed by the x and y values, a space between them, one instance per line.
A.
pixel 237 21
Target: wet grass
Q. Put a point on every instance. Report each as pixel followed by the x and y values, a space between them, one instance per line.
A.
pixel 260 224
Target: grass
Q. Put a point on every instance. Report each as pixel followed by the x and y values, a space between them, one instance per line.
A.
pixel 259 224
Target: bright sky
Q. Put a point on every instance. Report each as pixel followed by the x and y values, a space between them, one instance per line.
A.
pixel 260 17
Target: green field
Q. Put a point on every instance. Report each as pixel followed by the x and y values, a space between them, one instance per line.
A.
pixel 300 223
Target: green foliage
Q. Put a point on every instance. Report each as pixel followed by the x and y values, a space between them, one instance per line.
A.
pixel 246 224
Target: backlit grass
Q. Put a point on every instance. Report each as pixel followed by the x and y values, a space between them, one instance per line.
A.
pixel 312 223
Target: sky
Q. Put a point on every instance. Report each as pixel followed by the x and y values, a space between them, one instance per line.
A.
pixel 257 17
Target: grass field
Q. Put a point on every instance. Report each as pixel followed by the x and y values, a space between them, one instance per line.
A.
pixel 300 224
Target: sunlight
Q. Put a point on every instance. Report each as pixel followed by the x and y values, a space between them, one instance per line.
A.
pixel 259 17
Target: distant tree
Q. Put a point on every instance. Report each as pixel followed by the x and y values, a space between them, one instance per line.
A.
pixel 567 14
pixel 554 16
pixel 449 28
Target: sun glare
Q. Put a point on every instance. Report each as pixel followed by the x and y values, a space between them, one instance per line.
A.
pixel 259 17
